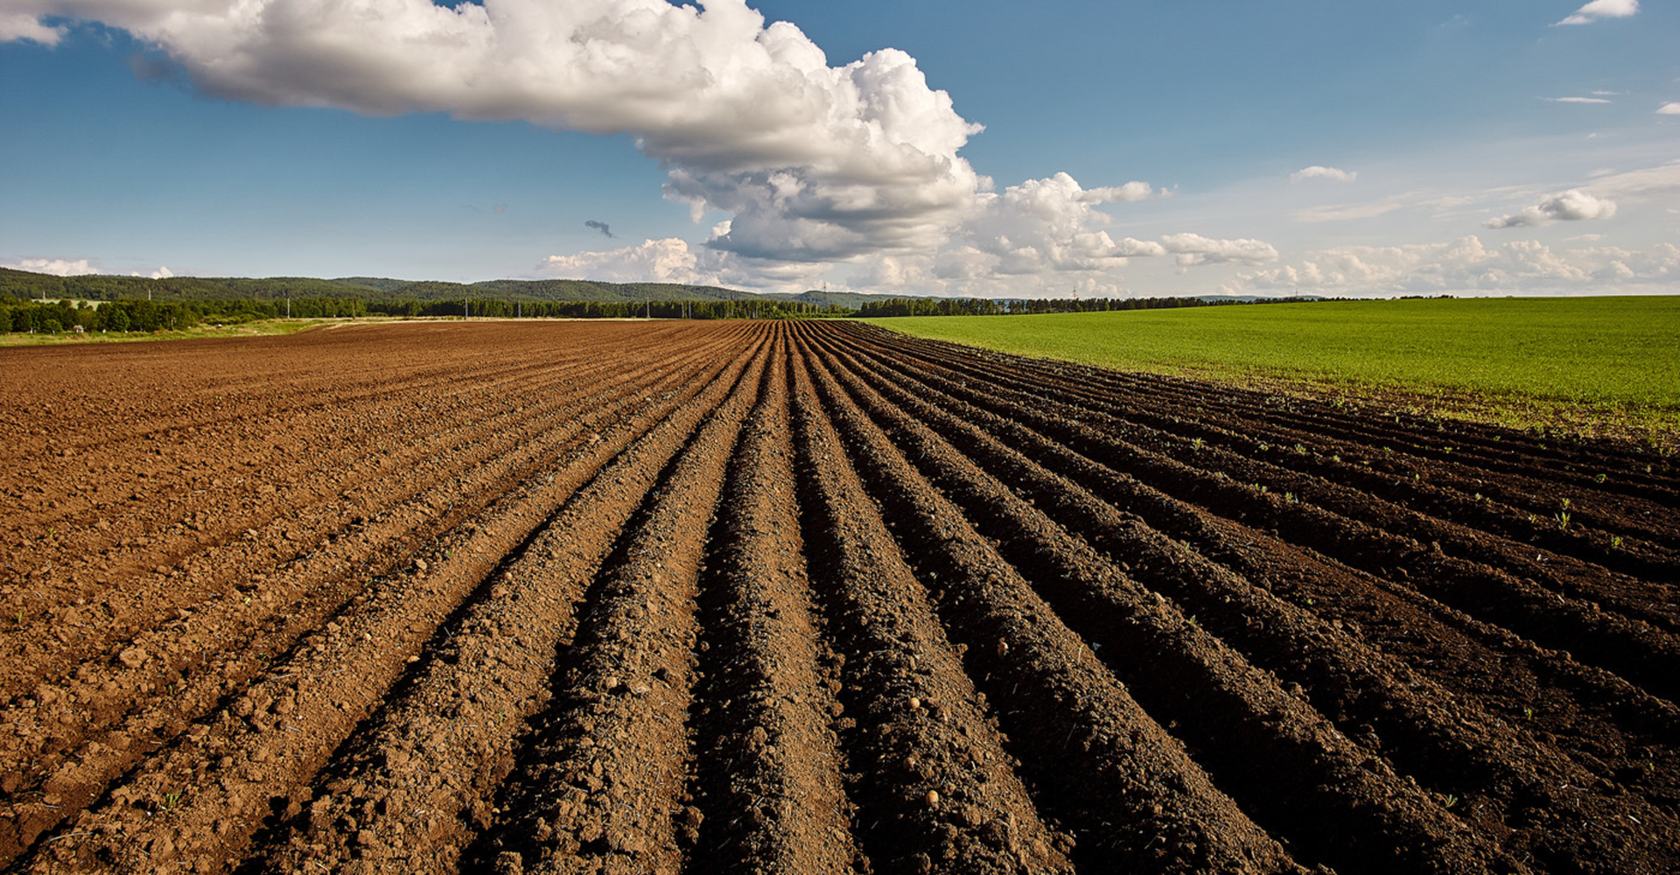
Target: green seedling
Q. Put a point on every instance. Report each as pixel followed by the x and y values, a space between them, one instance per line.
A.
pixel 1616 541
pixel 1563 519
pixel 1196 444
pixel 171 800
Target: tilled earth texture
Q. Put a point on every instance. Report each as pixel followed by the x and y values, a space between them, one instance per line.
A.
pixel 807 598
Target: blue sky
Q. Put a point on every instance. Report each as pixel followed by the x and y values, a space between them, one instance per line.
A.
pixel 1097 148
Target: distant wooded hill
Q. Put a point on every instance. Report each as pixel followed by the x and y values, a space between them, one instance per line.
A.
pixel 101 287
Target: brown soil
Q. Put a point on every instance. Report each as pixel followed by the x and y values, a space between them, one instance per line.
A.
pixel 778 597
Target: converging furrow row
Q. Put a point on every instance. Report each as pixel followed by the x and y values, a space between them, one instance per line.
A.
pixel 818 598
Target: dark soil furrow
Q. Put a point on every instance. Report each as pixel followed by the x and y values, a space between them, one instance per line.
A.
pixel 915 723
pixel 603 784
pixel 308 508
pixel 169 809
pixel 1645 654
pixel 1339 794
pixel 697 597
pixel 180 681
pixel 302 518
pixel 769 767
pixel 1032 664
pixel 1498 775
pixel 455 721
pixel 1286 420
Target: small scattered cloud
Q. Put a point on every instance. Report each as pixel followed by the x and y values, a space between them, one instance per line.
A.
pixel 54 266
pixel 27 26
pixel 663 261
pixel 1670 108
pixel 498 209
pixel 1576 100
pixel 599 226
pixel 1599 9
pixel 1573 205
pixel 1469 265
pixel 1193 249
pixel 1320 172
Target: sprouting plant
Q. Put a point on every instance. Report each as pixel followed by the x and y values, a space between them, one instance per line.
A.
pixel 1563 504
pixel 1563 519
pixel 1337 458
pixel 1528 713
pixel 1261 487
pixel 1196 444
pixel 1450 800
pixel 1300 450
pixel 1615 541
pixel 171 800
pixel 1264 446
pixel 1532 519
pixel 1600 477
pixel 1289 496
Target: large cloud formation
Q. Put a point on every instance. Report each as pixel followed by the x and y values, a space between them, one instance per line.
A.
pixel 814 164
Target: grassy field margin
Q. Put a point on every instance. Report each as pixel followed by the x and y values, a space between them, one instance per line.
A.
pixel 1598 366
pixel 254 328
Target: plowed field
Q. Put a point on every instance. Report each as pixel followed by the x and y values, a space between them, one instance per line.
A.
pixel 807 598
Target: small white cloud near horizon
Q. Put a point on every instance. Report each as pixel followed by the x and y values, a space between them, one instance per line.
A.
pixel 1320 172
pixel 54 266
pixel 1599 9
pixel 1576 100
pixel 1469 265
pixel 1571 206
pixel 1670 108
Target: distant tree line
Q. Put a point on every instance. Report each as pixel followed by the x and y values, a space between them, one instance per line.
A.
pixel 702 309
pixel 1017 306
pixel 18 315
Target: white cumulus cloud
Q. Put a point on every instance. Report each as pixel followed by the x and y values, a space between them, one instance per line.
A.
pixel 1670 108
pixel 814 165
pixel 1598 9
pixel 54 266
pixel 26 26
pixel 1469 265
pixel 814 162
pixel 1194 249
pixel 1320 172
pixel 1571 206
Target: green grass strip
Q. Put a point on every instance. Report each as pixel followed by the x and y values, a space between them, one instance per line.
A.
pixel 1588 364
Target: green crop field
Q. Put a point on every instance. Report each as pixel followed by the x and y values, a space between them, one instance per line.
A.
pixel 1601 364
